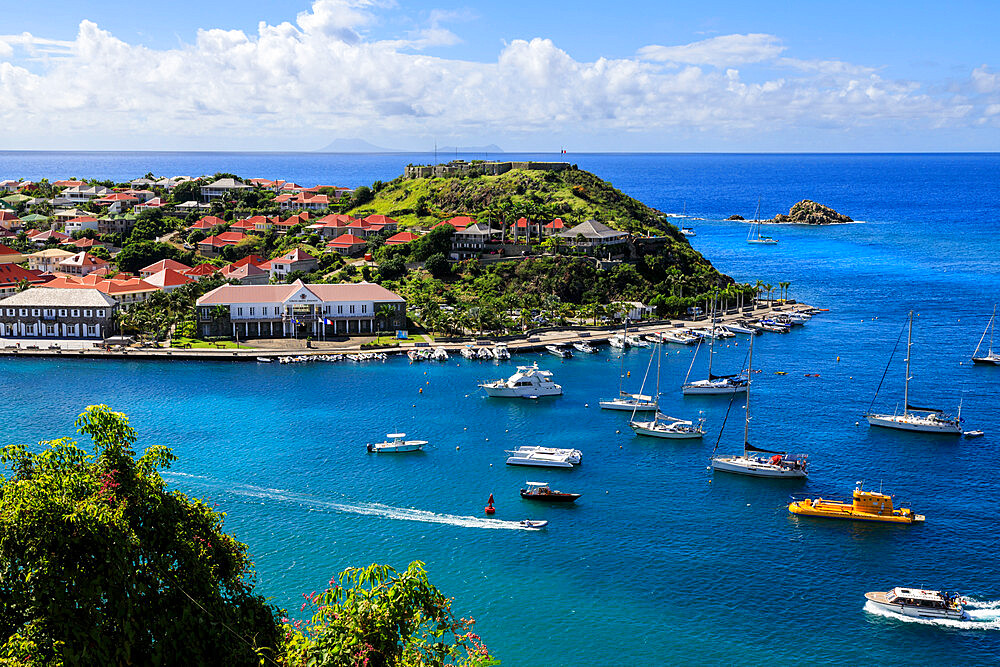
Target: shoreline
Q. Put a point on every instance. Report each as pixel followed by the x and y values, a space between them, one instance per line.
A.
pixel 519 344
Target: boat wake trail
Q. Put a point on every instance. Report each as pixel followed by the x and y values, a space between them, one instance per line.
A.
pixel 321 505
pixel 983 615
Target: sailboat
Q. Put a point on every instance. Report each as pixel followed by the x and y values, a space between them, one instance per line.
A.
pixel 663 426
pixel 991 356
pixel 626 401
pixel 753 236
pixel 715 384
pixel 926 420
pixel 753 461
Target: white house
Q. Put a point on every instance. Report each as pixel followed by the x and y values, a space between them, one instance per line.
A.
pixel 81 224
pixel 298 310
pixel 221 188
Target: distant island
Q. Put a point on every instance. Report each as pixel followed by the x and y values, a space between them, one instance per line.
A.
pixel 361 146
pixel 805 212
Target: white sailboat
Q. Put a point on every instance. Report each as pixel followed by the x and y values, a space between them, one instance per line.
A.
pixel 661 425
pixel 715 384
pixel 626 401
pixel 755 461
pixel 913 418
pixel 754 236
pixel 991 357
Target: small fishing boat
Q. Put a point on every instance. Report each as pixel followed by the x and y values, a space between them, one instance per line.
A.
pixel 500 352
pixel 468 352
pixel 395 444
pixel 264 360
pixel 545 493
pixel 920 603
pixel 866 506
pixel 973 434
pixel 636 341
pixel 528 524
pixel 586 348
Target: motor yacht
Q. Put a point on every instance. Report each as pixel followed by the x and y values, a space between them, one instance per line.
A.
pixel 586 348
pixel 618 341
pixel 679 337
pixel 541 491
pixel 396 442
pixel 574 456
pixel 559 351
pixel 920 603
pixel 636 341
pixel 528 381
pixel 538 459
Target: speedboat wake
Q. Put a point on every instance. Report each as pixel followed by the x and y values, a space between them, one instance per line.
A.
pixel 314 504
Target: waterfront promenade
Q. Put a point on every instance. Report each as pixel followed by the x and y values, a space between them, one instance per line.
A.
pixel 275 348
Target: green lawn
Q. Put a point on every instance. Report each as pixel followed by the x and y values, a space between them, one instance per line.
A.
pixel 181 342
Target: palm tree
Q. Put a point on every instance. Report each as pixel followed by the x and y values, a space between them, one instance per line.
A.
pixel 784 286
pixel 758 288
pixel 768 288
pixel 384 314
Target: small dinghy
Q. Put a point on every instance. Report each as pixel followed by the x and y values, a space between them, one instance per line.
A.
pixel 973 434
pixel 527 524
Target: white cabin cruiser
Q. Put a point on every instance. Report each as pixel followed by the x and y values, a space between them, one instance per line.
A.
pixel 528 381
pixel 920 603
pixel 586 348
pixel 559 351
pixel 679 337
pixel 539 459
pixel 574 456
pixel 636 341
pixel 396 443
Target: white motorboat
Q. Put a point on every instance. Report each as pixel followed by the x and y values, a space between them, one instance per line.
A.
pixel 754 236
pixel 755 462
pixel 618 341
pixel 484 353
pixel 468 352
pixel 679 337
pixel 586 348
pixel 736 327
pixel 913 418
pixel 264 360
pixel 500 352
pixel 539 460
pixel 559 351
pixel 630 403
pixel 688 231
pixel 396 443
pixel 990 357
pixel 663 426
pixel 919 603
pixel 439 354
pixel 636 341
pixel 527 382
pixel 528 524
pixel 574 456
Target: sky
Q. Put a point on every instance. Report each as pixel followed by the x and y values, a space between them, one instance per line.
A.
pixel 539 76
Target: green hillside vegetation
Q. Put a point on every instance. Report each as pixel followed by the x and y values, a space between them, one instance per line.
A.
pixel 573 195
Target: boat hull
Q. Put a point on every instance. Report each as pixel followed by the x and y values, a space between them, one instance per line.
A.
pixel 995 360
pixel 625 407
pixel 705 389
pixel 846 513
pixel 915 611
pixel 648 429
pixel 551 497
pixel 538 463
pixel 510 392
pixel 414 446
pixel 739 465
pixel 922 425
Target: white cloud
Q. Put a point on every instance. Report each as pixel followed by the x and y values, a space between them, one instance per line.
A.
pixel 321 76
pixel 721 51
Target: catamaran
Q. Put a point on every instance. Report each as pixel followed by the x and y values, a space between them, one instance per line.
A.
pixel 991 357
pixel 715 384
pixel 926 420
pixel 754 461
pixel 661 425
pixel 754 236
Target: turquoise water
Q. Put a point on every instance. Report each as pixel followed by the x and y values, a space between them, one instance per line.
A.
pixel 658 562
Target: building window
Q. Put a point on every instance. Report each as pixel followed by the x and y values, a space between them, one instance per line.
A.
pixel 87 313
pixel 76 312
pixel 50 329
pixel 10 312
pixel 340 310
pixel 239 311
pixel 100 313
pixel 251 311
pixel 364 308
pixel 264 310
pixel 352 309
pixel 92 330
pixel 62 312
pixel 34 312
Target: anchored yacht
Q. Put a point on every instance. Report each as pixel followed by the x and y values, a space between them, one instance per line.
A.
pixel 528 381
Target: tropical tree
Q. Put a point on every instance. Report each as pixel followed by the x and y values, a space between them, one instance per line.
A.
pixel 101 564
pixel 768 287
pixel 384 314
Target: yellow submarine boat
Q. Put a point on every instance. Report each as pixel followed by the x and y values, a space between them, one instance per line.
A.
pixel 867 506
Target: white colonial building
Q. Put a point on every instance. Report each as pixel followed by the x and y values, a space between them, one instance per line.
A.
pixel 298 310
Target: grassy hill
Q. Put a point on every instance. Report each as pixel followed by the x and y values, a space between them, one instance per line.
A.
pixel 573 195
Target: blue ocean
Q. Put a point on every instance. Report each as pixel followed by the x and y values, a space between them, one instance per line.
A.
pixel 658 562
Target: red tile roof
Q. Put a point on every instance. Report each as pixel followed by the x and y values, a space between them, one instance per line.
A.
pixel 555 224
pixel 401 237
pixel 345 241
pixel 171 264
pixel 204 269
pixel 459 222
pixel 4 250
pixel 380 220
pixel 168 278
pixel 12 274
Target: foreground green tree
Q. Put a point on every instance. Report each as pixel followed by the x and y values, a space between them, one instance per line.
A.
pixel 376 616
pixel 101 564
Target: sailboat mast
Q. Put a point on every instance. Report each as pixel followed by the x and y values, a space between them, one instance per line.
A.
pixel 746 423
pixel 991 329
pixel 906 385
pixel 656 399
pixel 711 340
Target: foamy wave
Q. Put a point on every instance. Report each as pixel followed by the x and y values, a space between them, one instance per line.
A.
pixel 364 509
pixel 982 616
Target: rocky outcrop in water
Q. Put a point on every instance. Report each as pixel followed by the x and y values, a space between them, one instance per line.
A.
pixel 808 212
pixel 736 217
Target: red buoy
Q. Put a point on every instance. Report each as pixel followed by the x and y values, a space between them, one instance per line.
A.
pixel 489 505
